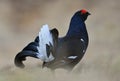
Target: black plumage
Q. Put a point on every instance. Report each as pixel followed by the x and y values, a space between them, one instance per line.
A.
pixel 67 51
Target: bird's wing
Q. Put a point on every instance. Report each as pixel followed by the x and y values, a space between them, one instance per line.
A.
pixel 55 35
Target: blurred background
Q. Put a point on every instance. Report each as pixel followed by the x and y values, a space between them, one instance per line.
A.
pixel 20 21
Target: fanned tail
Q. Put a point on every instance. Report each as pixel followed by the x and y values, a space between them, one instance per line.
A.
pixel 29 51
pixel 43 47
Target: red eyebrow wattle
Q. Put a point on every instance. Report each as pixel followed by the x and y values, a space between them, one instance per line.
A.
pixel 83 11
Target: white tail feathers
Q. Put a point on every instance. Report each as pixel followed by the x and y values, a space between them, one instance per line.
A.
pixel 45 37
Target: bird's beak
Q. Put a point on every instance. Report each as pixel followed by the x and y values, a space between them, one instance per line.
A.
pixel 89 13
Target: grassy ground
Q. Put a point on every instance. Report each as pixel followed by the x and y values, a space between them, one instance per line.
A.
pixel 20 22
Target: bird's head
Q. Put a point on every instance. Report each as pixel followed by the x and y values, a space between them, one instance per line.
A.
pixel 83 13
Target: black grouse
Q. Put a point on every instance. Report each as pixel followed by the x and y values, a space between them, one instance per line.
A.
pixel 58 52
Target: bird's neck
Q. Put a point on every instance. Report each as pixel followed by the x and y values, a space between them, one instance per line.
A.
pixel 77 27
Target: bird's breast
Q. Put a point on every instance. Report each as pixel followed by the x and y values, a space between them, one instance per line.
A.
pixel 70 46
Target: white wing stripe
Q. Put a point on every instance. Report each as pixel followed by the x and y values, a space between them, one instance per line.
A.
pixel 72 57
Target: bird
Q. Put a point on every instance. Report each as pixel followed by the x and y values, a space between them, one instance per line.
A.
pixel 58 52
